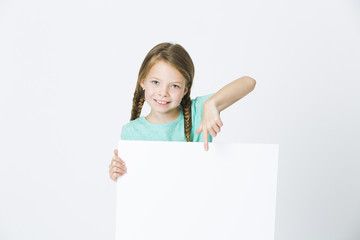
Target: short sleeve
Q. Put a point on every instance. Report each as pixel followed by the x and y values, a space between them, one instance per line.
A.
pixel 196 117
pixel 125 135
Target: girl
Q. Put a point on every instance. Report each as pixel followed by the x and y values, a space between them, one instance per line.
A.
pixel 164 82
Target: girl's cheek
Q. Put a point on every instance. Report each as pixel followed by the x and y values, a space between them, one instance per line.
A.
pixel 178 94
pixel 180 97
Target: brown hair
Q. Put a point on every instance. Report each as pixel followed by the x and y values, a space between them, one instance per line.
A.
pixel 178 57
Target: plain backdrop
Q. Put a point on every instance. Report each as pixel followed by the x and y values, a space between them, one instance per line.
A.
pixel 68 71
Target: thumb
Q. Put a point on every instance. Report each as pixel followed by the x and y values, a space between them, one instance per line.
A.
pixel 116 152
pixel 199 130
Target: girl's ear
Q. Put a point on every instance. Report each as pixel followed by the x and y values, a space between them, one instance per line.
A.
pixel 142 83
pixel 185 92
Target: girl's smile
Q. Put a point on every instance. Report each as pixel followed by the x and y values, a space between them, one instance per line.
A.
pixel 162 103
pixel 164 89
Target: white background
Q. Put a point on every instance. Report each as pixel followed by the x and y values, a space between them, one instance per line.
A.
pixel 68 71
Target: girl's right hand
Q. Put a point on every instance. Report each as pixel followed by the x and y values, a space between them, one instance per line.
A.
pixel 117 167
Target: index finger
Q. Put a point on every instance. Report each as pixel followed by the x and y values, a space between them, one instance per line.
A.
pixel 205 136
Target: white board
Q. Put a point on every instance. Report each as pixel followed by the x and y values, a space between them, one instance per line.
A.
pixel 177 191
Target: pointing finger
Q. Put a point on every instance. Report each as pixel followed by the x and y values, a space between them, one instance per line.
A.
pixel 205 135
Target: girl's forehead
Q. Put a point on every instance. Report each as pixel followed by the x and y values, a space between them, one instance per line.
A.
pixel 165 71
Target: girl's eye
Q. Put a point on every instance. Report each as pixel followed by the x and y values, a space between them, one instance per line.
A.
pixel 155 82
pixel 175 86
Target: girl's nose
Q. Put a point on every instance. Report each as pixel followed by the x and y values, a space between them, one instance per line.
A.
pixel 163 91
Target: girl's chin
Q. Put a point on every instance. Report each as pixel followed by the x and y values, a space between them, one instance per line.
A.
pixel 165 110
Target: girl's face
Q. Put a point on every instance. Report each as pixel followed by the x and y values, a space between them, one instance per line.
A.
pixel 164 88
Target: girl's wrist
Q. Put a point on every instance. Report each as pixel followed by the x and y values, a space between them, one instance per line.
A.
pixel 210 103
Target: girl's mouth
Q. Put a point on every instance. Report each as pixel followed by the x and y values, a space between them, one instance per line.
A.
pixel 161 102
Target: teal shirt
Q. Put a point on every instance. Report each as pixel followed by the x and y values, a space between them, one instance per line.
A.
pixel 142 129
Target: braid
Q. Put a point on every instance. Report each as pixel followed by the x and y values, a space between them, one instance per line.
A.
pixel 186 105
pixel 138 102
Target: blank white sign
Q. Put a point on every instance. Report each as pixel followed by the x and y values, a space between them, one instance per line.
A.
pixel 177 191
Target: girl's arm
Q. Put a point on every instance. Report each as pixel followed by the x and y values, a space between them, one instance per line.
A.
pixel 226 96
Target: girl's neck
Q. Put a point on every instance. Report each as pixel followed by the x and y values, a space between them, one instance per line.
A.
pixel 156 117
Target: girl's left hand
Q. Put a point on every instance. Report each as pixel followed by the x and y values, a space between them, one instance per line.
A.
pixel 211 122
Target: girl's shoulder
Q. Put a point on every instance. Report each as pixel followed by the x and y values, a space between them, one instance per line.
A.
pixel 130 130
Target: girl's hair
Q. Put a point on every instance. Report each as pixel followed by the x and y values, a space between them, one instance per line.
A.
pixel 178 57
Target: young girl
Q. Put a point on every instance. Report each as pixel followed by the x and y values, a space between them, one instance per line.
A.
pixel 164 82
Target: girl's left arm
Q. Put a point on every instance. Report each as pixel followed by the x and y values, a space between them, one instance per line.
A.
pixel 225 97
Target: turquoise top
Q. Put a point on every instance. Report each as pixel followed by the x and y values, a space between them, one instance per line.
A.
pixel 142 129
